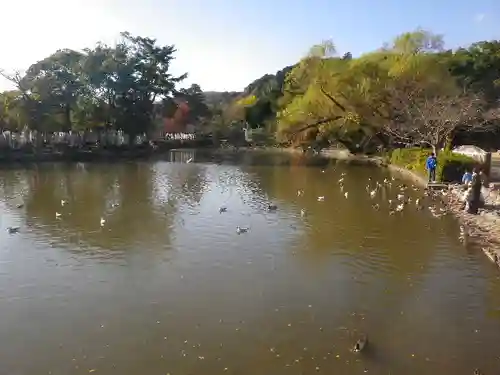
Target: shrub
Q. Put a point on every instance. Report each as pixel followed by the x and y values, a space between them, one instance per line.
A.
pixel 451 166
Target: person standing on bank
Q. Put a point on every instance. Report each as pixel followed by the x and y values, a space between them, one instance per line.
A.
pixel 431 165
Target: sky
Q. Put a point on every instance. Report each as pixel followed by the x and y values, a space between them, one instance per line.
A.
pixel 226 44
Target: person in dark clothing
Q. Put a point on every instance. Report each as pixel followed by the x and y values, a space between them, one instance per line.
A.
pixel 431 165
pixel 476 185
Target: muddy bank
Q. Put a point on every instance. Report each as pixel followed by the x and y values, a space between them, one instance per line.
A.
pixel 483 229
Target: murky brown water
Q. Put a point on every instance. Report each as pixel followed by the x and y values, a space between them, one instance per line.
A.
pixel 167 286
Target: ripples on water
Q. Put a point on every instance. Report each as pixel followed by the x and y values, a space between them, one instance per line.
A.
pixel 167 286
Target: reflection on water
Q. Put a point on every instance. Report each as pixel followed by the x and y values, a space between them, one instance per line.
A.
pixel 166 285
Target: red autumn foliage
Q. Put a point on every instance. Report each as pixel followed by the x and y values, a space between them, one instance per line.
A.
pixel 177 123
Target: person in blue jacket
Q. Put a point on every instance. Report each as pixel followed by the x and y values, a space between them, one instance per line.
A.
pixel 431 165
pixel 467 178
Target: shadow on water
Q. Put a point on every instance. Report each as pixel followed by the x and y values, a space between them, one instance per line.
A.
pixel 166 285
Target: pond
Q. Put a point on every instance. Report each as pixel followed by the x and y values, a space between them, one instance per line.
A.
pixel 132 269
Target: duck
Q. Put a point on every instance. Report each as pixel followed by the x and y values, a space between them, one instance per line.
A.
pixel 272 207
pixel 13 230
pixel 240 230
pixel 222 209
pixel 360 344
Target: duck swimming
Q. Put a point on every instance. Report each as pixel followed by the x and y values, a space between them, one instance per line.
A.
pixel 360 344
pixel 240 230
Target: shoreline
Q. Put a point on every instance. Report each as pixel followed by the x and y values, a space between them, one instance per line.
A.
pixel 483 229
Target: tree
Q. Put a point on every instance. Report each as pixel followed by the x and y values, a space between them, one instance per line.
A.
pixel 197 110
pixel 433 121
pixel 55 81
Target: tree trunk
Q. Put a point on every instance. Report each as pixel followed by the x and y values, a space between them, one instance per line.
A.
pixel 67 118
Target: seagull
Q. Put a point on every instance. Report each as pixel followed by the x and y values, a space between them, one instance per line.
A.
pixel 189 160
pixel 321 199
pixel 373 193
pixel 346 194
pixel 63 202
pixel 58 214
pixel 302 212
pixel 401 197
pixel 103 221
pixel 222 209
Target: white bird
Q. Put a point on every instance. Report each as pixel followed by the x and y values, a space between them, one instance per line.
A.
pixel 63 202
pixel 400 207
pixel 401 197
pixel 189 160
pixel 302 212
pixel 346 194
pixel 321 199
pixel 373 193
pixel 240 230
pixel 300 193
pixel 417 201
pixel 58 214
pixel 103 221
pixel 341 180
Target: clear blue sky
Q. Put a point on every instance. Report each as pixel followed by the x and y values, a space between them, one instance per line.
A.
pixel 226 44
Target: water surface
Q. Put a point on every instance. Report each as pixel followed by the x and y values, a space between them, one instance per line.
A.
pixel 167 286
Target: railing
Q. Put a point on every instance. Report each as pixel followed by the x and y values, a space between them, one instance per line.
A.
pixel 17 140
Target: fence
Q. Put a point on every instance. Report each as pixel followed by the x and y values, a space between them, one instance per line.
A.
pixel 18 140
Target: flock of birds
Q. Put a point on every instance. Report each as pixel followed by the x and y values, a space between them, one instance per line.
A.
pixel 374 188
pixel 58 215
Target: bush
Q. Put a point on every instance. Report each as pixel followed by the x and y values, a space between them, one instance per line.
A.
pixel 450 168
